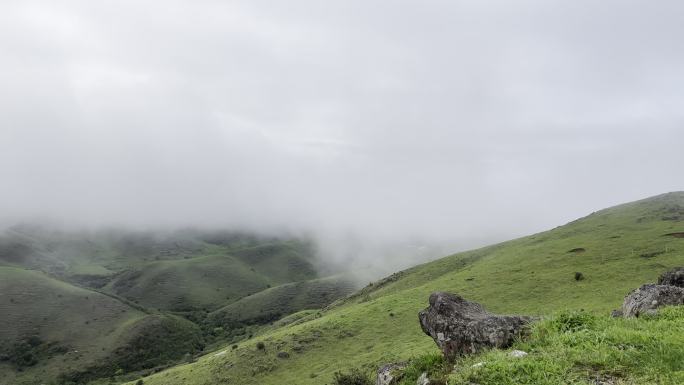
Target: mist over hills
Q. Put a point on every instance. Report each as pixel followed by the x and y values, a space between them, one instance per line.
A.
pixel 480 123
pixel 266 192
pixel 616 249
pixel 80 307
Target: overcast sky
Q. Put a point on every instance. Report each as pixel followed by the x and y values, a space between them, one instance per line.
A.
pixel 431 121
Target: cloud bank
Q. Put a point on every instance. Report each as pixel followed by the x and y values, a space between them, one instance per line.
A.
pixel 360 122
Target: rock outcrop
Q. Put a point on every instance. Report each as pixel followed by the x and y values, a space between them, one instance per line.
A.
pixel 648 298
pixel 674 277
pixel 461 327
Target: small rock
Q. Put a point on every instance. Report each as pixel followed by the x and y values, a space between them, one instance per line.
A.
pixel 283 355
pixel 388 374
pixel 478 365
pixel 603 379
pixel 617 313
pixel 517 353
pixel 423 379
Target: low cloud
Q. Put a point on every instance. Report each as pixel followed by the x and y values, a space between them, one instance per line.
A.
pixel 382 129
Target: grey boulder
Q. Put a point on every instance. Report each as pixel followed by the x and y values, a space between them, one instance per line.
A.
pixel 648 298
pixel 462 327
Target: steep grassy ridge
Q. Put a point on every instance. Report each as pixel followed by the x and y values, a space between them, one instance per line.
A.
pixel 616 249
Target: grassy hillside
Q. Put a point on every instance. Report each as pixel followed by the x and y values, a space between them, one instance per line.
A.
pixel 583 349
pixel 71 254
pixel 128 301
pixel 53 331
pixel 282 262
pixel 616 249
pixel 111 295
pixel 272 304
pixel 180 271
pixel 205 282
pixel 572 348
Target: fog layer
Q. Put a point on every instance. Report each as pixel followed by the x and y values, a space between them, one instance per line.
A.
pixel 362 123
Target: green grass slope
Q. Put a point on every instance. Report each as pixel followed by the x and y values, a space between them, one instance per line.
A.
pixel 93 257
pixel 181 271
pixel 51 331
pixel 583 349
pixel 213 280
pixel 80 254
pixel 272 304
pixel 195 284
pixel 572 348
pixel 616 249
pixel 281 262
pixel 117 297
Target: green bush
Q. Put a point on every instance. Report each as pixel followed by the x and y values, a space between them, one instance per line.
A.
pixel 573 321
pixel 353 377
pixel 432 364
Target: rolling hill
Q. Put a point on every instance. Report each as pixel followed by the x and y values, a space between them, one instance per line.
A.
pixel 55 331
pixel 214 279
pixel 80 305
pixel 616 250
pixel 272 304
